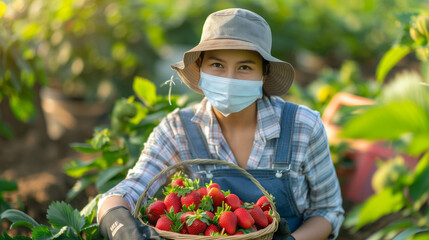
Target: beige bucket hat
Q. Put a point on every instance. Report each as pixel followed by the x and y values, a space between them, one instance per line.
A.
pixel 237 29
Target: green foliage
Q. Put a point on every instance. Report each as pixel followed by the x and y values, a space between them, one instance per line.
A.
pixel 6 186
pixel 402 114
pixel 117 148
pixel 414 38
pixel 20 71
pixel 66 222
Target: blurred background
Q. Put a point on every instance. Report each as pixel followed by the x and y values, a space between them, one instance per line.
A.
pixel 77 75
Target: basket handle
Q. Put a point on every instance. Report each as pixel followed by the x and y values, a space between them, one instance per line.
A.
pixel 209 161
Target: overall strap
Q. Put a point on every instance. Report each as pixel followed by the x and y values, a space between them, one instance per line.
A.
pixel 197 143
pixel 284 143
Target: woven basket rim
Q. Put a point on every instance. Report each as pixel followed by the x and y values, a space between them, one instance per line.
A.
pixel 261 234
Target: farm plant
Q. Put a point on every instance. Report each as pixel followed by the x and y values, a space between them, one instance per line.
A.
pixel 401 117
pixel 115 149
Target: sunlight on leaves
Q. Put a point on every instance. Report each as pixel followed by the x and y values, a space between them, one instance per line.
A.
pixel 383 203
pixel 145 90
pixel 390 59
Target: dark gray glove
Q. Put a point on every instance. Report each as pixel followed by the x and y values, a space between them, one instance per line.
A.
pixel 283 232
pixel 118 224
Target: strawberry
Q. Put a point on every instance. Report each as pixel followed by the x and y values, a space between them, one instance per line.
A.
pixel 238 233
pixel 217 195
pixel 269 217
pixel 210 215
pixel 212 185
pixel 172 200
pixel 155 210
pixel 245 220
pixel 164 223
pixel 233 201
pixel 184 215
pixel 258 215
pixel 184 231
pixel 264 203
pixel 211 229
pixel 228 221
pixel 177 182
pixel 191 198
pixel 197 223
pixel 202 191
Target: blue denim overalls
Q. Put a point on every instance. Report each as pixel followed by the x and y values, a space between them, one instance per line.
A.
pixel 276 181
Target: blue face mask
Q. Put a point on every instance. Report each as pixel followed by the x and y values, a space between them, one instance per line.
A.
pixel 229 95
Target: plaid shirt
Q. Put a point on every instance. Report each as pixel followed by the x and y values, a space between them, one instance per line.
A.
pixel 314 181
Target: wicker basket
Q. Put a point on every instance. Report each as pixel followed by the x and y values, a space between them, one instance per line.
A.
pixel 266 233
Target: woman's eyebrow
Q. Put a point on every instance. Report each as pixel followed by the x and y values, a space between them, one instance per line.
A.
pixel 240 62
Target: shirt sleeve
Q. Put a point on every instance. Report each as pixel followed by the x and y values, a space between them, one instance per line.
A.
pixel 158 153
pixel 324 189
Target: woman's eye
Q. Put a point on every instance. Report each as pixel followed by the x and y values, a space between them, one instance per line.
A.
pixel 217 65
pixel 245 67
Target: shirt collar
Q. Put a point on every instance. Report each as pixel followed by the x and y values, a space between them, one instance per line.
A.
pixel 268 116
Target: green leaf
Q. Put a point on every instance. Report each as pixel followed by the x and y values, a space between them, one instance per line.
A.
pixel 42 233
pixel 61 214
pixel 90 210
pixel 390 59
pixel 423 236
pixel 7 186
pixel 392 228
pixel 84 148
pixel 420 186
pixel 409 232
pixel 145 90
pixel 383 203
pixel 18 216
pixel 107 174
pixel 21 224
pixel 22 108
pixel 388 121
pixel 101 138
pixel 77 168
pixel 79 186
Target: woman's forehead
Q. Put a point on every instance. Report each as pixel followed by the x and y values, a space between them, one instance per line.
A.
pixel 232 54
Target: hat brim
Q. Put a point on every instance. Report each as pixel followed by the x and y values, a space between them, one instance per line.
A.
pixel 278 81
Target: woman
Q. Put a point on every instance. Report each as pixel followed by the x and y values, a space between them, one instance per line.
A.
pixel 240 120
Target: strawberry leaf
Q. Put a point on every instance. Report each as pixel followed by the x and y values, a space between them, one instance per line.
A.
pixel 226 192
pixel 62 214
pixel 206 203
pixel 188 209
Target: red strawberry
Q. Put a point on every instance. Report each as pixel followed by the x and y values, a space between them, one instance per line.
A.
pixel 269 217
pixel 191 198
pixel 172 200
pixel 213 185
pixel 211 229
pixel 217 195
pixel 177 182
pixel 184 215
pixel 196 224
pixel 245 220
pixel 210 214
pixel 263 203
pixel 233 201
pixel 258 215
pixel 184 231
pixel 202 191
pixel 228 221
pixel 164 224
pixel 238 233
pixel 155 210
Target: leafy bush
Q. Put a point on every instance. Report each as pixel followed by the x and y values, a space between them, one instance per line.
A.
pixel 400 116
pixel 117 148
pixel 66 222
pixel 20 71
